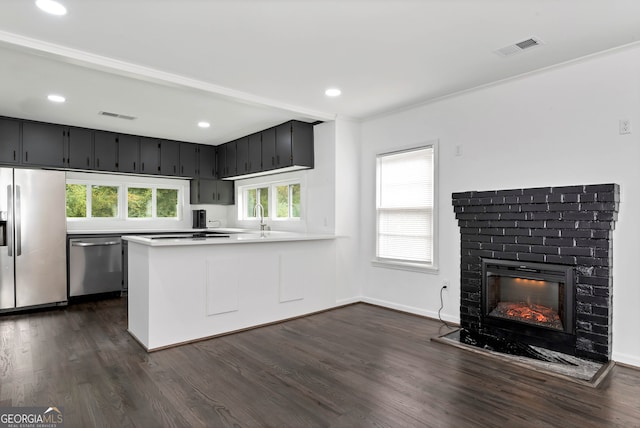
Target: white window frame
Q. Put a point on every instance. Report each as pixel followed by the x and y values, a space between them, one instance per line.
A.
pixel 409 264
pixel 273 204
pixel 154 202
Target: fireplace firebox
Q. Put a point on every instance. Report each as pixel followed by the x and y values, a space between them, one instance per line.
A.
pixel 528 297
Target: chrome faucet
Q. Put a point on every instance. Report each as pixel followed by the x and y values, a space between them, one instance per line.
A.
pixel 258 211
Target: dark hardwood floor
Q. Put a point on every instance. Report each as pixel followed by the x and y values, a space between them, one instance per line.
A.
pixel 358 366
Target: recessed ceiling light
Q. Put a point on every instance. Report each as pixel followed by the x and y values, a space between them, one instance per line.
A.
pixel 56 98
pixel 204 124
pixel 52 7
pixel 333 92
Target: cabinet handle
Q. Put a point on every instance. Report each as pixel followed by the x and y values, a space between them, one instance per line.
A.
pixel 143 166
pixel 134 165
pixel 182 169
pixel 98 163
pixel 245 166
pixel 158 168
pixel 14 155
pixel 272 161
pixel 63 160
pixel 278 159
pixel 26 156
pixel 88 161
pixel 218 196
pixel 174 169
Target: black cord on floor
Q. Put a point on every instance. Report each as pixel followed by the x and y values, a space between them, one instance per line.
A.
pixel 442 306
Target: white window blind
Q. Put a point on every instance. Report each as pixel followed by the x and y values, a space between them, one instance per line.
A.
pixel 405 182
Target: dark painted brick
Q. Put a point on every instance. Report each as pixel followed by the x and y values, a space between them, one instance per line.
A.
pixel 565 242
pixel 461 195
pixel 469 230
pixel 600 329
pixel 471 245
pixel 528 257
pixel 509 192
pixel 458 209
pixel 584 290
pixel 545 232
pixel 594 243
pixel 474 223
pixel 592 261
pixel 601 291
pixel 467 216
pixel 583 308
pixel 610 187
pixel 503 208
pixel 474 209
pixel 598 206
pixel 469 289
pixel 564 207
pixel 539 199
pixel 485 194
pixel 576 251
pixel 504 223
pixel 597 225
pixel 584 271
pixel 535 240
pixel 475 238
pixel 534 207
pixel 525 199
pixel 504 239
pixel 511 199
pixel 602 253
pixel 561 260
pixel 606 216
pixel 587 197
pixel 537 191
pixel 595 319
pixel 596 301
pixel 592 280
pixel 546 215
pixel 584 344
pixel 497 200
pixel 517 248
pixel 584 326
pixel 601 234
pixel 579 215
pixel 595 338
pixel 502 255
pixel 570 197
pixel 601 272
pixel 460 202
pixel 554 197
pixel 496 231
pixel 545 249
pixel 599 310
pixel 488 216
pixel 492 247
pixel 517 232
pixel 569 189
pixel 554 224
pixel 577 233
pixel 607 197
pixel 481 253
pixel 532 223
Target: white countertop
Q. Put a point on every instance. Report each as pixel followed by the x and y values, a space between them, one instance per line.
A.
pixel 236 236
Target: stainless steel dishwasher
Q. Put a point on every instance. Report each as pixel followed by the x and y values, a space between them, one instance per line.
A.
pixel 95 265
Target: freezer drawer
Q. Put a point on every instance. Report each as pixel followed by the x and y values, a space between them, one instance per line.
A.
pixel 95 265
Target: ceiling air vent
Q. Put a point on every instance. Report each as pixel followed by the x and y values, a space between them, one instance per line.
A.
pixel 519 47
pixel 116 115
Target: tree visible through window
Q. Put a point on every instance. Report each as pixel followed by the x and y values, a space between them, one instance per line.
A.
pixel 167 203
pixel 104 201
pixel 76 200
pixel 139 202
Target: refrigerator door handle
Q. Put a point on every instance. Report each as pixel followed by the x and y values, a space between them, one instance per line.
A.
pixel 17 212
pixel 9 230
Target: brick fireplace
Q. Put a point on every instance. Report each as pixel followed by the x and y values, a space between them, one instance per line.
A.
pixel 518 232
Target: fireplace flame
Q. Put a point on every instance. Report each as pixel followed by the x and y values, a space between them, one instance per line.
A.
pixel 526 312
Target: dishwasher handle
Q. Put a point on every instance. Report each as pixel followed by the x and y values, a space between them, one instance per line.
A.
pixel 93 244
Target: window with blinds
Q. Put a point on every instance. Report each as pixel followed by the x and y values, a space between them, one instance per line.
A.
pixel 405 197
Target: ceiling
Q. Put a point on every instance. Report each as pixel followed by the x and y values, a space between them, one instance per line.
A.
pixel 245 65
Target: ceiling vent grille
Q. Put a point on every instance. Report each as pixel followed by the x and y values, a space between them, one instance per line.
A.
pixel 519 47
pixel 117 115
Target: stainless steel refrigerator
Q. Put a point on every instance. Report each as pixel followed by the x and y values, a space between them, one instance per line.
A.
pixel 32 238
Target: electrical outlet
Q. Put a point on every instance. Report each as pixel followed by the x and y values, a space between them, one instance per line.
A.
pixel 625 126
pixel 458 151
pixel 446 283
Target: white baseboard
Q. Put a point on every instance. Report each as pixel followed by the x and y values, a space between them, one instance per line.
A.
pixel 627 359
pixel 410 309
pixel 348 301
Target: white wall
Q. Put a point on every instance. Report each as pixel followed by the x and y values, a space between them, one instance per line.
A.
pixel 552 128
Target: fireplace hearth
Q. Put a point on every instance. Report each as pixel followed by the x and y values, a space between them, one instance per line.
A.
pixel 535 266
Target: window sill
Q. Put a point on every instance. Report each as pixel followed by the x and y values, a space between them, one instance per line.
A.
pixel 400 265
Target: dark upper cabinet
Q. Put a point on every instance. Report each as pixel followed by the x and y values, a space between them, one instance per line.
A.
pixel 169 157
pixel 242 155
pixel 105 149
pixel 43 144
pixel 207 161
pixel 205 191
pixel 231 159
pixel 255 153
pixel 294 144
pixel 149 155
pixel 9 141
pixel 80 148
pixel 268 147
pixel 188 160
pixel 128 153
pixel 221 160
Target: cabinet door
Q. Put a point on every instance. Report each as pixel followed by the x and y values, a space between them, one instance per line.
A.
pixel 231 159
pixel 9 141
pixel 169 157
pixel 105 149
pixel 255 153
pixel 283 145
pixel 221 160
pixel 128 153
pixel 224 192
pixel 302 144
pixel 149 156
pixel 242 156
pixel 268 149
pixel 207 161
pixel 80 147
pixel 188 160
pixel 43 144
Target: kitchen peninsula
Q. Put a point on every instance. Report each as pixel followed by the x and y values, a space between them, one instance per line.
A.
pixel 189 288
